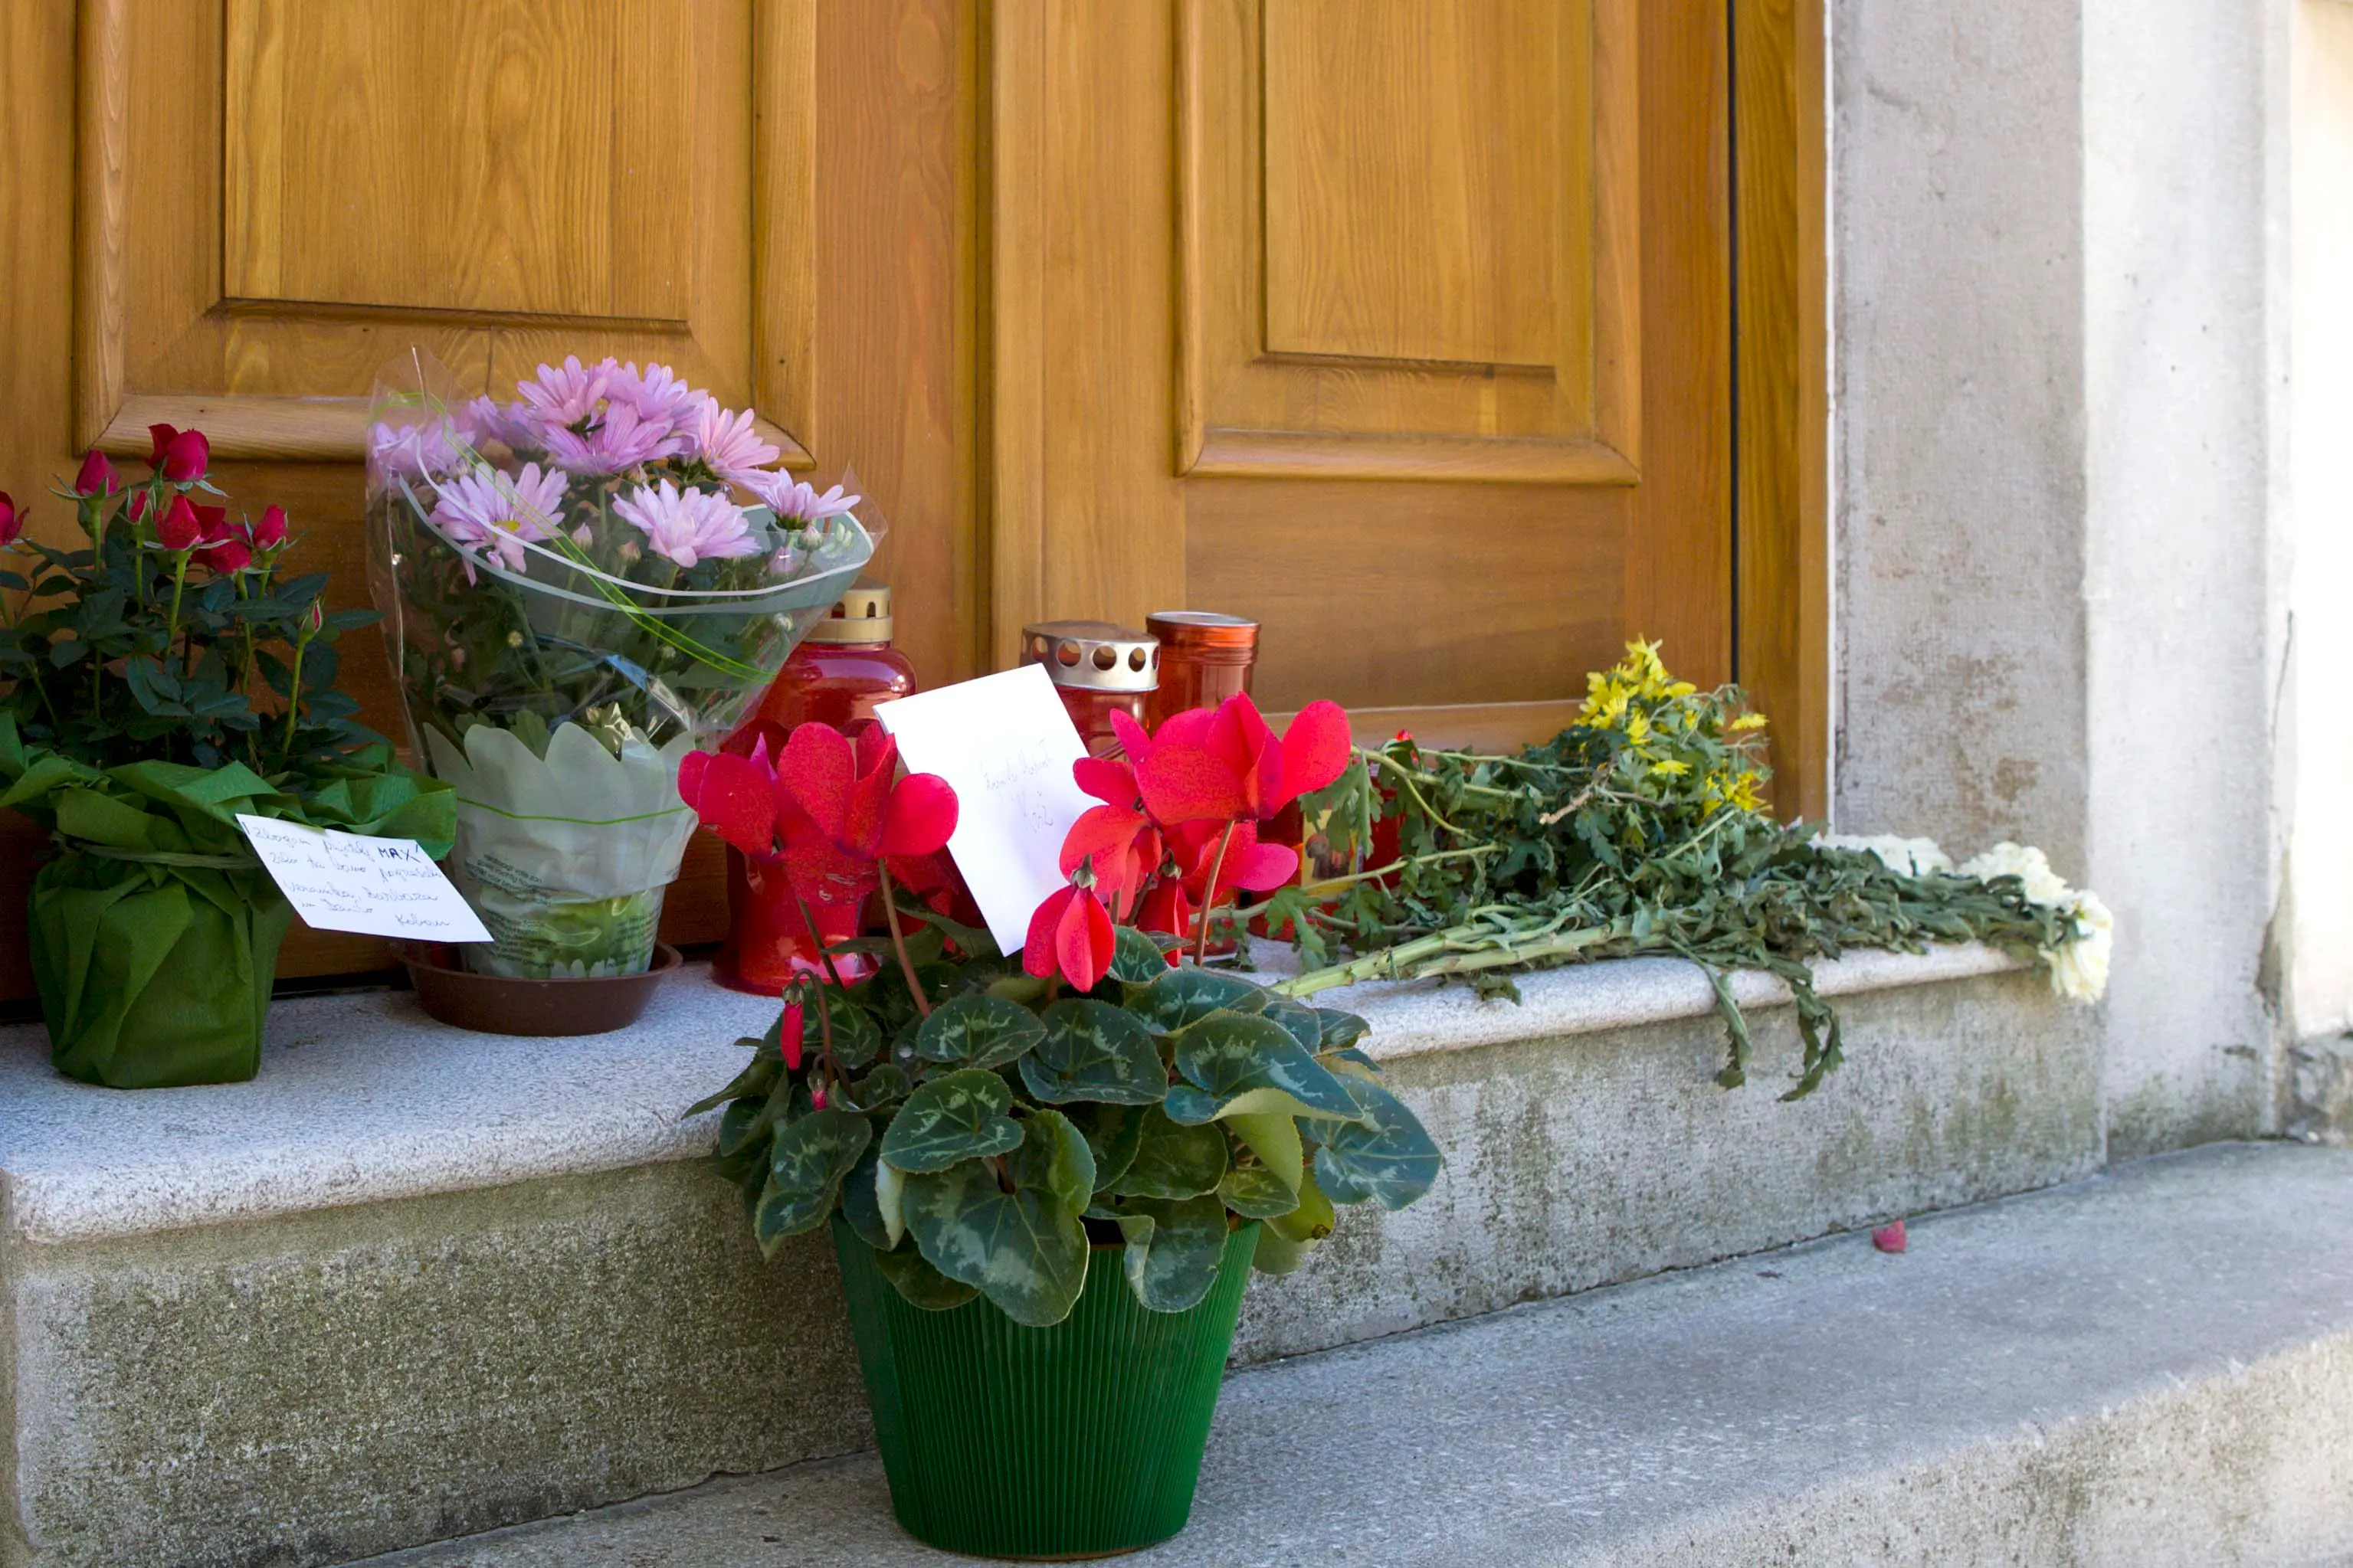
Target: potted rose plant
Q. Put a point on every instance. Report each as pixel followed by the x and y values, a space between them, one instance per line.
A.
pixel 1048 1175
pixel 160 681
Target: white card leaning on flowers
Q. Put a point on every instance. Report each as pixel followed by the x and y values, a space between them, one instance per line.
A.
pixel 347 881
pixel 1004 743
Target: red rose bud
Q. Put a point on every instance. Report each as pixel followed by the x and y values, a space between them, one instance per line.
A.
pixel 182 456
pixel 230 554
pixel 179 529
pixel 314 618
pixel 214 522
pixel 270 531
pixel 97 478
pixel 138 505
pixel 12 522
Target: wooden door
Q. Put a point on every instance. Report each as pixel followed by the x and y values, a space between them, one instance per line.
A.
pixel 1403 326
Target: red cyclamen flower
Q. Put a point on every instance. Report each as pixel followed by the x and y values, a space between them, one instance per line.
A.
pixel 1071 933
pixel 97 478
pixel 1116 840
pixel 1223 764
pixel 790 1029
pixel 180 456
pixel 180 529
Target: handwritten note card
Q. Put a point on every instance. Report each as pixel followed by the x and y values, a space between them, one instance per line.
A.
pixel 1006 744
pixel 344 881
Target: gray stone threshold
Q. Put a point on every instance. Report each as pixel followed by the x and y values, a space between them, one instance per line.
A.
pixel 2151 1366
pixel 363 1100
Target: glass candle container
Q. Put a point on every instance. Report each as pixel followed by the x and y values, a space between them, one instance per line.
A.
pixel 1100 669
pixel 1205 657
pixel 838 676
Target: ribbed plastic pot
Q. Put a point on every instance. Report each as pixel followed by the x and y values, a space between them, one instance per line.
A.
pixel 1080 1440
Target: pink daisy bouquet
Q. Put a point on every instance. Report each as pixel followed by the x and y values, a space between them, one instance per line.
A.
pixel 581 586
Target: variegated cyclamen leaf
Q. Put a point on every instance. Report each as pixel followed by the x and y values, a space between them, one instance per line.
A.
pixel 859 1206
pixel 1339 1030
pixel 1252 1191
pixel 1179 996
pixel 1298 1020
pixel 1273 1138
pixel 1026 1250
pixel 886 1085
pixel 955 1117
pixel 1225 1055
pixel 1172 1161
pixel 739 1124
pixel 1136 958
pixel 1113 1132
pixel 1388 1157
pixel 1173 1256
pixel 1098 1052
pixel 980 1031
pixel 805 1168
pixel 921 1285
pixel 857 1038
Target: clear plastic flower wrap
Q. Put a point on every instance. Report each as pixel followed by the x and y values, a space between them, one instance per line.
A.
pixel 579 586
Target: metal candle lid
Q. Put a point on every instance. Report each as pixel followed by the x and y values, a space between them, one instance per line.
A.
pixel 1093 656
pixel 863 616
pixel 1207 637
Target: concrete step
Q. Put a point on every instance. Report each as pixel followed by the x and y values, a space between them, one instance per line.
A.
pixel 413 1283
pixel 2154 1366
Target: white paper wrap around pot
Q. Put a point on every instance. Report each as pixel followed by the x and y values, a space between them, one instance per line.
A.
pixel 576 824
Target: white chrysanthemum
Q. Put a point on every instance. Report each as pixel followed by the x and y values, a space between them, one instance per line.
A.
pixel 2023 861
pixel 2079 969
pixel 1905 857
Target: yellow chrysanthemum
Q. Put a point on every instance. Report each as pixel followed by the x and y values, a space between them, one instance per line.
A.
pixel 1671 767
pixel 1747 721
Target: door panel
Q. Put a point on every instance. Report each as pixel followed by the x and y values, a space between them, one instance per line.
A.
pixel 1478 245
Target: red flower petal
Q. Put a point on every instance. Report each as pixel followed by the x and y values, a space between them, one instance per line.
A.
pixel 1889 1237
pixel 1167 909
pixel 1132 740
pixel 733 797
pixel 1263 869
pixel 1038 952
pixel 1106 836
pixel 1314 751
pixel 868 805
pixel 1109 781
pixel 1184 783
pixel 818 768
pixel 1083 940
pixel 185 456
pixel 789 1034
pixel 822 874
pixel 921 816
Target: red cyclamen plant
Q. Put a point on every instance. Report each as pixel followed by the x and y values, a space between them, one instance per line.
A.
pixel 1177 831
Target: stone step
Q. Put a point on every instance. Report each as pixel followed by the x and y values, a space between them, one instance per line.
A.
pixel 413 1283
pixel 2150 1367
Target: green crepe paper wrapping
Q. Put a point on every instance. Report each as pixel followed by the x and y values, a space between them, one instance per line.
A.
pixel 565 857
pixel 155 930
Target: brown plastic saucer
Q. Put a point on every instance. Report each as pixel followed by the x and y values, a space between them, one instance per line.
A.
pixel 505 1004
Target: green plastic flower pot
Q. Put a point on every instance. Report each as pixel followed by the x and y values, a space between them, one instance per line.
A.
pixel 1078 1440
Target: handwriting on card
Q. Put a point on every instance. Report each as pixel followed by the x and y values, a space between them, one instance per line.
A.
pixel 346 882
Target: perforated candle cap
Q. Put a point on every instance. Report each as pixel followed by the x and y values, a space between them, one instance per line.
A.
pixel 861 615
pixel 1093 656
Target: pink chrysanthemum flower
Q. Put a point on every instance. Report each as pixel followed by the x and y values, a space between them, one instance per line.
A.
pixel 564 397
pixel 656 392
pixel 423 451
pixel 695 525
pixel 491 420
pixel 796 505
pixel 484 508
pixel 618 441
pixel 727 442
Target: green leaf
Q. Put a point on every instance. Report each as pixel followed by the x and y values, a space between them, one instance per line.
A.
pixel 923 1286
pixel 758 1076
pixel 1179 996
pixel 1273 1138
pixel 740 1123
pixel 1339 1030
pixel 1390 1157
pixel 1113 1132
pixel 1310 1220
pixel 860 1207
pixel 1172 1161
pixel 1277 1253
pixel 886 1085
pixel 1096 1051
pixel 1136 958
pixel 974 941
pixel 1026 1250
pixel 857 1038
pixel 805 1168
pixel 1252 1191
pixel 890 1200
pixel 1173 1250
pixel 957 1117
pixel 980 1031
pixel 1298 1020
pixel 1226 1055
